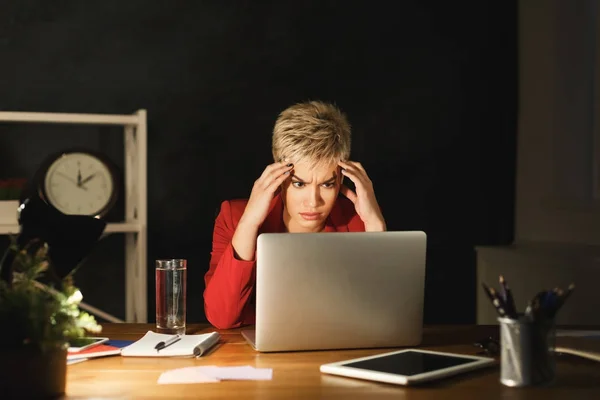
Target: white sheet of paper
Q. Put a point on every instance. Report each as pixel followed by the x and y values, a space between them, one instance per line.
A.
pixel 238 373
pixel 213 373
pixel 185 375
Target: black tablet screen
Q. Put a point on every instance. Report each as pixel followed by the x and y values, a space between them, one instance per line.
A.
pixel 409 363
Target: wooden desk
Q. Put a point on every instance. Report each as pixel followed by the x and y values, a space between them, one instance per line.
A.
pixel 297 375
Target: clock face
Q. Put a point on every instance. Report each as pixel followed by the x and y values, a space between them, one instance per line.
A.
pixel 79 183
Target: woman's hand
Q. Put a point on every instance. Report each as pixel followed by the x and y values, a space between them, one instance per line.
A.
pixel 364 199
pixel 262 193
pixel 257 209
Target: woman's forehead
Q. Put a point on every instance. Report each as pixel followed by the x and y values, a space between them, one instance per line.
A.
pixel 308 170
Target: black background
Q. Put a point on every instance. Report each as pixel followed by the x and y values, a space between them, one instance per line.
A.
pixel 430 88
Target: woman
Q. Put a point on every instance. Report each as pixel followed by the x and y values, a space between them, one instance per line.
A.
pixel 301 192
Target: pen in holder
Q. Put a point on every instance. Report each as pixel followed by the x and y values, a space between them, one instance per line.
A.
pixel 527 339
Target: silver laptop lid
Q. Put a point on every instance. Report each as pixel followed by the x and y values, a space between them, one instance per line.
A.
pixel 339 290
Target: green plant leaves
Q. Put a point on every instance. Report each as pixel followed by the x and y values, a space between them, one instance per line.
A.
pixel 34 314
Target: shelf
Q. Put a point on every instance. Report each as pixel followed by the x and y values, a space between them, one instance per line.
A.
pixel 63 118
pixel 113 227
pixel 135 144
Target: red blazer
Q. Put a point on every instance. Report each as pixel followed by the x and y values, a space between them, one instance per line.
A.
pixel 229 294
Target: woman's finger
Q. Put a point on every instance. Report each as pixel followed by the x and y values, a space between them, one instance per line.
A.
pixel 346 191
pixel 277 173
pixel 352 176
pixel 278 181
pixel 274 173
pixel 272 167
pixel 348 166
pixel 358 166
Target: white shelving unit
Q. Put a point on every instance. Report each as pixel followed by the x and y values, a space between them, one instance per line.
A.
pixel 134 227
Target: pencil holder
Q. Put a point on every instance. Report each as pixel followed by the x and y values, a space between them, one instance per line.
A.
pixel 527 352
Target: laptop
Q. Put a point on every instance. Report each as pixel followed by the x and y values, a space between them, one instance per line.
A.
pixel 338 290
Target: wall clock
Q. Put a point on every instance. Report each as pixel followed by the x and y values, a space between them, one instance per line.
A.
pixel 79 182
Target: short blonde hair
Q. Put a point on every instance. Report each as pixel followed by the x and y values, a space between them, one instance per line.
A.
pixel 313 131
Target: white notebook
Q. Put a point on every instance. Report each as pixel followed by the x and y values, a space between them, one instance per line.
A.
pixel 187 346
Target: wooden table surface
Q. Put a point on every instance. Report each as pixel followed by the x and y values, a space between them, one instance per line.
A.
pixel 297 375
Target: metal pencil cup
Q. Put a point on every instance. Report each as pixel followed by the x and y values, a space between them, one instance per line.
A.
pixel 527 352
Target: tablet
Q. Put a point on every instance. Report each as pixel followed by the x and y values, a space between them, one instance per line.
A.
pixel 85 343
pixel 405 367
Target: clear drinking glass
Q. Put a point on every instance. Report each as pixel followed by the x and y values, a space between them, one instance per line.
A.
pixel 171 278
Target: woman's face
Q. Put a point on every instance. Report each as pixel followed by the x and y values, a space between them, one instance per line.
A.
pixel 309 195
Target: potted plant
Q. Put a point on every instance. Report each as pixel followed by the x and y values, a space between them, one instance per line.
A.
pixel 39 314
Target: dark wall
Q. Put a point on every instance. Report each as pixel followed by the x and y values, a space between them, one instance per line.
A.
pixel 429 87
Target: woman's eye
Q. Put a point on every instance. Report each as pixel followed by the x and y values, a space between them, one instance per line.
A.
pixel 298 184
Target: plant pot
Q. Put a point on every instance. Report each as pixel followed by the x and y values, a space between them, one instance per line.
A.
pixel 9 212
pixel 32 374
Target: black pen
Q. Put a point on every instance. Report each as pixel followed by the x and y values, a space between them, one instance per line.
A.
pixel 563 296
pixel 508 298
pixel 496 300
pixel 535 309
pixel 162 345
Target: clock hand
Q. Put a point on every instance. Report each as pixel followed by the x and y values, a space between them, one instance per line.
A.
pixel 89 178
pixel 71 180
pixel 78 175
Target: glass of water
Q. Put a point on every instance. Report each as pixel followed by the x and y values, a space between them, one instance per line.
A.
pixel 171 278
